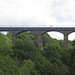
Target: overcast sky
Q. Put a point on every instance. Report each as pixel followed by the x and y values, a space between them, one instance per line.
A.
pixel 58 13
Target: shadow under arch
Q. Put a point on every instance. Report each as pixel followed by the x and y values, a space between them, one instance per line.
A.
pixel 71 36
pixel 19 32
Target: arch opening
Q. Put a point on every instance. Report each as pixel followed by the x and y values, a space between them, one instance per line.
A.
pixel 71 36
pixel 4 32
pixel 56 35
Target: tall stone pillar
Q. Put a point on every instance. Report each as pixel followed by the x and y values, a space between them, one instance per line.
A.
pixel 14 37
pixel 65 45
pixel 40 40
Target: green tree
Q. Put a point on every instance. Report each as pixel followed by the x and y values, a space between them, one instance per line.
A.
pixel 72 60
pixel 28 68
pixel 45 67
pixel 5 45
pixel 25 49
pixel 8 66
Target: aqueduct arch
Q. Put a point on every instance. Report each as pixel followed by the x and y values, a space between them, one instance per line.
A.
pixel 40 33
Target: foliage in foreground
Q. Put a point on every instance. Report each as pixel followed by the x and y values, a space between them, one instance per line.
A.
pixel 26 58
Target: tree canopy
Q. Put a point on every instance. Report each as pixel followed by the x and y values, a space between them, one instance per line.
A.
pixel 26 58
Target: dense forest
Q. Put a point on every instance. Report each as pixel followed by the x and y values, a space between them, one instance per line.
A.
pixel 25 57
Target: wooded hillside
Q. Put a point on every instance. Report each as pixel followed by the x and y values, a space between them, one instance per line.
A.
pixel 25 57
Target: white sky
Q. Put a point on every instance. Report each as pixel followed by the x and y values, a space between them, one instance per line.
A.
pixel 58 13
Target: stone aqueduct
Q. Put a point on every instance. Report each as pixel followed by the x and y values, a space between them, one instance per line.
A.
pixel 40 31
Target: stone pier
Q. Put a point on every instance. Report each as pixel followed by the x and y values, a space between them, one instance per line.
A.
pixel 40 40
pixel 65 45
pixel 14 37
